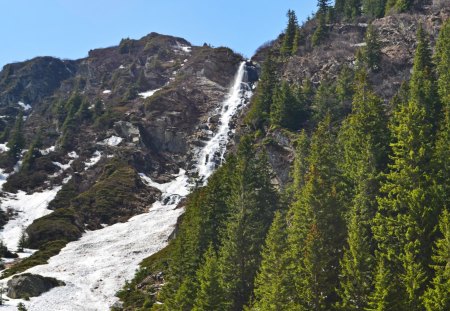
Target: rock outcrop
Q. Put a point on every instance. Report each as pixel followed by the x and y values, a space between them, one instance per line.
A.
pixel 28 285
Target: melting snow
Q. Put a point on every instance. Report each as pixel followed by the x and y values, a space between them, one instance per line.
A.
pixel 3 147
pixel 47 150
pixel 96 266
pixel 73 155
pixel 28 207
pixel 24 106
pixel 148 93
pixel 93 160
pixel 111 141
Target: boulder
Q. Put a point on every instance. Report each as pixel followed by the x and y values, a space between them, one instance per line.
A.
pixel 30 285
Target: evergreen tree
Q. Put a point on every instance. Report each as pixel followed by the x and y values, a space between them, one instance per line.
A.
pixel 316 230
pixel 323 6
pixel 259 113
pixel 406 220
pixel 21 307
pixel 252 202
pixel 385 295
pixel 296 43
pixel 209 295
pixel 272 292
pixel 204 219
pixel 325 102
pixel 32 154
pixel 321 30
pixel 373 8
pixel 22 241
pixel 372 50
pixel 300 166
pixel 288 110
pixel 352 9
pixel 364 140
pixel 290 34
pixel 437 296
pixel 441 158
pixel 339 6
pixel 17 140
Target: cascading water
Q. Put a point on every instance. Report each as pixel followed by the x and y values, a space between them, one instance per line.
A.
pixel 213 153
pixel 96 266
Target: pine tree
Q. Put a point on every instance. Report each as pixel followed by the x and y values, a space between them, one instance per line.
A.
pixel 22 241
pixel 204 220
pixel 288 110
pixel 300 166
pixel 316 230
pixel 441 158
pixel 406 218
pixel 21 307
pixel 373 8
pixel 209 295
pixel 296 43
pixel 372 50
pixel 385 294
pixel 363 135
pixel 339 6
pixel 290 33
pixel 325 102
pixel 17 140
pixel 321 30
pixel 402 5
pixel 323 6
pixel 259 113
pixel 32 154
pixel 352 9
pixel 252 202
pixel 437 296
pixel 272 284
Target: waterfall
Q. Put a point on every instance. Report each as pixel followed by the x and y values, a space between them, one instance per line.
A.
pixel 213 153
pixel 96 266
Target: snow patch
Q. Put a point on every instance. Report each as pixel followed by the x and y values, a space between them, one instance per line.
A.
pixel 93 160
pixel 359 44
pixel 4 147
pixel 24 106
pixel 111 141
pixel 148 93
pixel 106 91
pixel 28 208
pixel 47 150
pixel 73 155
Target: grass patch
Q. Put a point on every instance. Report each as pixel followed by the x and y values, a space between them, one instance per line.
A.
pixel 41 257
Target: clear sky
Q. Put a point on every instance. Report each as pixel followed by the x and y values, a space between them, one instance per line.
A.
pixel 70 28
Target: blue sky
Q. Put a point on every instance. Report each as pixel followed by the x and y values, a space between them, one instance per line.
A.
pixel 70 28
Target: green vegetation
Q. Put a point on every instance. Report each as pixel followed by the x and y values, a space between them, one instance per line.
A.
pixel 357 229
pixel 41 257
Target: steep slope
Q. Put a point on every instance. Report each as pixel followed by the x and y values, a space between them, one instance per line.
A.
pixel 91 135
pixel 347 121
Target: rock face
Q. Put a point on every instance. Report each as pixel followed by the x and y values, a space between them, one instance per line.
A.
pixel 397 36
pixel 30 285
pixel 104 119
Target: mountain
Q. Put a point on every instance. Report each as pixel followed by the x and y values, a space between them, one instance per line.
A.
pixel 93 142
pixel 349 122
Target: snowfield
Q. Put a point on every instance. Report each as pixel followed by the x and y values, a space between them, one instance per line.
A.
pixel 96 266
pixel 28 207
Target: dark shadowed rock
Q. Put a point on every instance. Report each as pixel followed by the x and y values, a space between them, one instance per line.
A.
pixel 30 285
